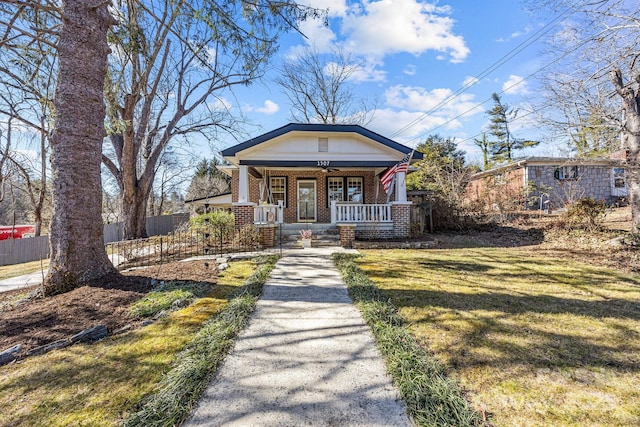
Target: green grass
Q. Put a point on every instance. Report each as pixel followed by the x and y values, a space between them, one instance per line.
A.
pixel 166 295
pixel 432 398
pixel 535 340
pixel 101 384
pixel 181 388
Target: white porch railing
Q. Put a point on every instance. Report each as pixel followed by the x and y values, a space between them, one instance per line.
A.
pixel 268 214
pixel 359 213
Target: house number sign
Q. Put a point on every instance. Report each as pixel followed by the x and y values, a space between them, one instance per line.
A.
pixel 324 162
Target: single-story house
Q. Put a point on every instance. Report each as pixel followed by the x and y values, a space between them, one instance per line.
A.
pixel 549 182
pixel 320 173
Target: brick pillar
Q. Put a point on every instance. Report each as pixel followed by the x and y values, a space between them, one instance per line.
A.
pixel 347 235
pixel 401 216
pixel 267 235
pixel 243 214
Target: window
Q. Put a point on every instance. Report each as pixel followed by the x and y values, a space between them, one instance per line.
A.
pixel 335 189
pixel 499 179
pixel 618 178
pixel 355 190
pixel 278 189
pixel 566 172
pixel 323 145
pixel 341 189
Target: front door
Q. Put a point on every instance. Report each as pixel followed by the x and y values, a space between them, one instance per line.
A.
pixel 306 200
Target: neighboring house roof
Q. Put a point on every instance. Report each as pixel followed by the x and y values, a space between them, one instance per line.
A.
pixel 319 128
pixel 545 161
pixel 217 200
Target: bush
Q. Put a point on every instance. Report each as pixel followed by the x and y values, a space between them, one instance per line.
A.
pixel 585 213
pixel 213 219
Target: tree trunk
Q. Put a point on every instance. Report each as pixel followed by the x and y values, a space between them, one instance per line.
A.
pixel 76 238
pixel 134 213
pixel 631 140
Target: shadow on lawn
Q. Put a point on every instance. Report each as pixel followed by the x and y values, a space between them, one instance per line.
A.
pixel 495 326
pixel 491 236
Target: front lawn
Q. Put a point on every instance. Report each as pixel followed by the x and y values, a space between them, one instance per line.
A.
pixel 535 340
pixel 120 377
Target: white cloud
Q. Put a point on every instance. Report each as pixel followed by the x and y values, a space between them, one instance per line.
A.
pixel 220 104
pixel 516 34
pixel 335 7
pixel 470 81
pixel 417 98
pixel 386 27
pixel 319 36
pixel 515 85
pixel 387 121
pixel 269 107
pixel 369 71
pixel 410 70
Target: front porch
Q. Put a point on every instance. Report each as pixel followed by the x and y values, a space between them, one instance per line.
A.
pixel 365 221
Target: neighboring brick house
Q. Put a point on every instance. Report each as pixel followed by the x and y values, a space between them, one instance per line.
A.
pixel 541 182
pixel 319 173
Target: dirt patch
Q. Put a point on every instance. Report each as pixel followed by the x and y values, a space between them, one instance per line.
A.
pixel 106 302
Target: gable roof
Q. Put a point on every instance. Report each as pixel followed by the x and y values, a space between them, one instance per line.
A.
pixel 319 127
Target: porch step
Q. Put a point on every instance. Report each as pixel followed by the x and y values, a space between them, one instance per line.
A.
pixel 322 234
pixel 293 230
pixel 316 241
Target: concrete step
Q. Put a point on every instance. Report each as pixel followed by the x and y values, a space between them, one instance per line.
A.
pixel 316 242
pixel 316 229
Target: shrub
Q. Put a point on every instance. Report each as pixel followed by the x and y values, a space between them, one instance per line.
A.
pixel 585 213
pixel 214 219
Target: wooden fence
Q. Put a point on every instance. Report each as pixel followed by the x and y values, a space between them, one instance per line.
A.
pixel 16 251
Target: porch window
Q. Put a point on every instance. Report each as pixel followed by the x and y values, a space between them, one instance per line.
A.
pixel 278 189
pixel 335 189
pixel 618 178
pixel 355 190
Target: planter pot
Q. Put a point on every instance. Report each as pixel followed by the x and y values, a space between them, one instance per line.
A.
pixel 306 243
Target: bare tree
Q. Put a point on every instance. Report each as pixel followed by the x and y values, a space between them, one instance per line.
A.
pixel 28 71
pixel 596 56
pixel 174 63
pixel 318 88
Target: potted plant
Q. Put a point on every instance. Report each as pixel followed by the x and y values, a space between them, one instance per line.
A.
pixel 305 235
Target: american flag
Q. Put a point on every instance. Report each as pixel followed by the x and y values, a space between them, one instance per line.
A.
pixel 402 166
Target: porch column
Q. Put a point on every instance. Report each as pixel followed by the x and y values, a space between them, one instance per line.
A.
pixel 401 215
pixel 243 184
pixel 401 187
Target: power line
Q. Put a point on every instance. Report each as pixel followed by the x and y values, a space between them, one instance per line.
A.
pixel 504 59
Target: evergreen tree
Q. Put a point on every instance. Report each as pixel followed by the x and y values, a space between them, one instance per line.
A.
pixel 500 118
pixel 208 180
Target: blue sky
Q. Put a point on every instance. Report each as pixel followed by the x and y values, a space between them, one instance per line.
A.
pixel 417 54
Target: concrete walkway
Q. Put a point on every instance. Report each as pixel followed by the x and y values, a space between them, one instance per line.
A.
pixel 21 281
pixel 305 358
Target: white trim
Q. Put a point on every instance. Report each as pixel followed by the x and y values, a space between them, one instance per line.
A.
pixel 243 184
pixel 315 200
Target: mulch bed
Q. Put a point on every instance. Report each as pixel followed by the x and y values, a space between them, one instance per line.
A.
pixel 40 321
